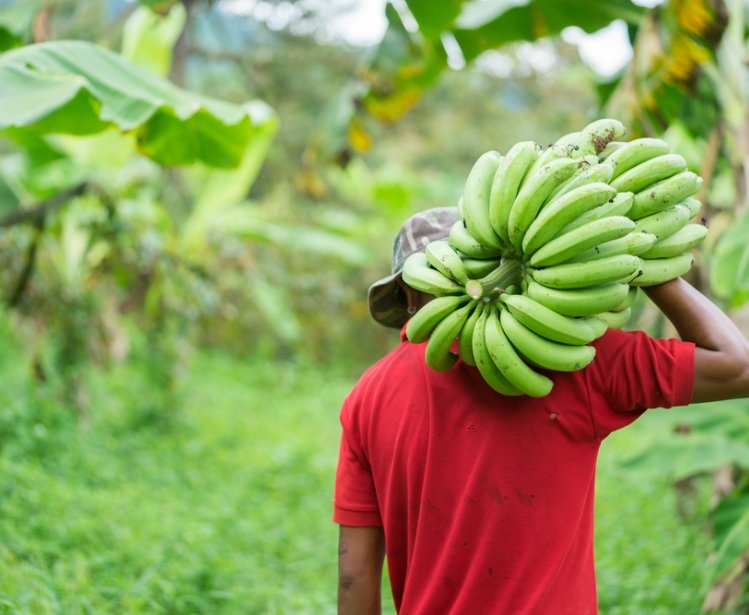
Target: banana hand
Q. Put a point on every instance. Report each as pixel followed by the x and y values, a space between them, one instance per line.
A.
pixel 509 363
pixel 438 354
pixel 420 325
pixel 484 362
pixel 420 276
pixel 476 200
pixel 544 352
pixel 564 247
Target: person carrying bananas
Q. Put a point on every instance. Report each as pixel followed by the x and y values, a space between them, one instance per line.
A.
pixel 483 502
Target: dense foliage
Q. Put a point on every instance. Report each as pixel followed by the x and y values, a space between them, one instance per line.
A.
pixel 238 193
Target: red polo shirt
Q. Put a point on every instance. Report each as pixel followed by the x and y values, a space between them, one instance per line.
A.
pixel 487 501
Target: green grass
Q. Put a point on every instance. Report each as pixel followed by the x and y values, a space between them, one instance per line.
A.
pixel 226 508
pixel 227 513
pixel 649 559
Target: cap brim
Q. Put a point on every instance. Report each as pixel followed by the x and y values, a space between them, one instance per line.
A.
pixel 387 303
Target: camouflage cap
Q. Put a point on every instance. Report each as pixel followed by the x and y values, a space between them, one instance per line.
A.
pixel 387 302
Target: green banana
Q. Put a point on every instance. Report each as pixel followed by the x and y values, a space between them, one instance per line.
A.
pixel 633 243
pixel 610 149
pixel 581 301
pixel 476 199
pixel 629 300
pixel 598 325
pixel 560 149
pixel 543 352
pixel 509 363
pixel 649 172
pixel 561 211
pixel 420 276
pixel 484 362
pixel 694 205
pixel 438 354
pixel 548 323
pixel 619 205
pixel 467 244
pixel 632 153
pixel 665 193
pixel 659 270
pixel 506 183
pixel 564 247
pixel 591 140
pixel 591 171
pixel 420 326
pixel 682 240
pixel 479 267
pixel 465 337
pixel 614 319
pixel 666 222
pixel 590 273
pixel 532 195
pixel 443 257
pixel 598 134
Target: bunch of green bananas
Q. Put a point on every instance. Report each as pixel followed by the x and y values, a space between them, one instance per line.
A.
pixel 549 251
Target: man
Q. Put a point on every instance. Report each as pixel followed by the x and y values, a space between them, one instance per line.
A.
pixel 484 503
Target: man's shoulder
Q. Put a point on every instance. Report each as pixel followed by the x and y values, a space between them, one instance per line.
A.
pixel 404 360
pixel 401 369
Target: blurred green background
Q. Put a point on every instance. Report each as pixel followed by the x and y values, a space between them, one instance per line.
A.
pixel 194 198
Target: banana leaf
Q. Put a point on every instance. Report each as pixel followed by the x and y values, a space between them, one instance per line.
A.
pixel 79 88
pixel 148 38
pixel 682 456
pixel 729 263
pixel 731 533
pixel 493 23
pixel 242 221
pixel 16 21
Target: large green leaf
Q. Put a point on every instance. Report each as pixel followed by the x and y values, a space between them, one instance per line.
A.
pixel 729 263
pixel 434 18
pixel 407 63
pixel 148 38
pixel 493 23
pixel 682 455
pixel 76 87
pixel 16 21
pixel 242 221
pixel 731 528
pixel 273 302
pixel 217 190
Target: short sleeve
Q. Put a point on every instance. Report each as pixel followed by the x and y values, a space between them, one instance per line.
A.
pixel 355 498
pixel 633 372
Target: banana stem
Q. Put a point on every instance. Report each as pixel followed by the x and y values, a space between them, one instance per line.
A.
pixel 496 282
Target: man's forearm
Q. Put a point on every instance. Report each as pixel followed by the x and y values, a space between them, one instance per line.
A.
pixel 359 596
pixel 721 360
pixel 361 552
pixel 695 317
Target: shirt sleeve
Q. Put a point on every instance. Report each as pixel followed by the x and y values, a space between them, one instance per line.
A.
pixel 355 498
pixel 633 372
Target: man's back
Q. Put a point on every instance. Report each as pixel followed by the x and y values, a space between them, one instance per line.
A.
pixel 487 501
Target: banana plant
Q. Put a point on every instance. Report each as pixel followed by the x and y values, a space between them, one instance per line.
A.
pixel 409 61
pixel 90 125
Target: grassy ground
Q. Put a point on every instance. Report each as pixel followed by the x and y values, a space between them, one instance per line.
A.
pixel 226 509
pixel 650 549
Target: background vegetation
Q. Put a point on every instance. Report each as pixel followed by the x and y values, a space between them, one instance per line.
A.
pixel 183 290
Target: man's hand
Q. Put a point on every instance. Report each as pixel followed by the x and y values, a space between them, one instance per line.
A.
pixel 721 362
pixel 361 553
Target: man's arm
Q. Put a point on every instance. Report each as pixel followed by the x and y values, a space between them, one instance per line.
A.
pixel 361 553
pixel 721 362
